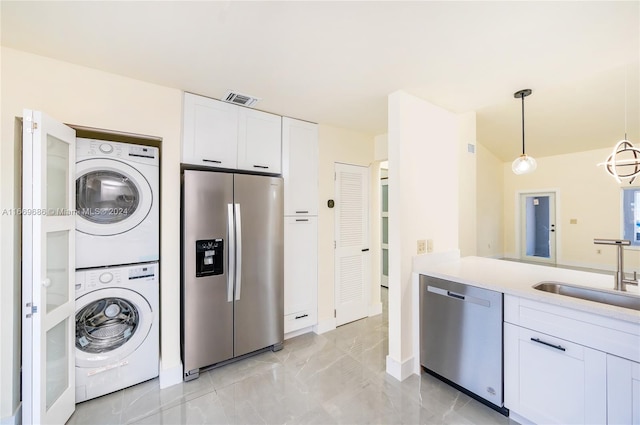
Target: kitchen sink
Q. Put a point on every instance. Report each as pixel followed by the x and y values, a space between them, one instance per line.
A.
pixel 619 299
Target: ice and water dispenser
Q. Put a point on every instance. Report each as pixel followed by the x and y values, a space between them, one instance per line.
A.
pixel 209 257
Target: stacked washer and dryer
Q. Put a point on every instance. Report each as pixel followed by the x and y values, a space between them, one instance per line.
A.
pixel 117 276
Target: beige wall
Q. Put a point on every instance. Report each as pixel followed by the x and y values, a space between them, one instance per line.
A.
pixel 467 184
pixel 424 154
pixel 584 192
pixel 350 147
pixel 87 97
pixel 489 204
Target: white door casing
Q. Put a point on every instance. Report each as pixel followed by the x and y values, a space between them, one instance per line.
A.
pixel 48 270
pixel 352 255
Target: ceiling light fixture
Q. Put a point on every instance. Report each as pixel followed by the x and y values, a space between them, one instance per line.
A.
pixel 624 147
pixel 523 164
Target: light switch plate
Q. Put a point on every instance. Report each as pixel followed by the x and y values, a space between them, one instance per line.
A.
pixel 422 246
pixel 429 245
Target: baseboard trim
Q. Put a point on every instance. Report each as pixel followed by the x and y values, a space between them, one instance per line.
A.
pixel 400 371
pixel 16 419
pixel 170 377
pixel 298 332
pixel 325 325
pixel 375 309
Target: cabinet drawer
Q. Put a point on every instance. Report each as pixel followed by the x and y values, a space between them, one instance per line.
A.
pixel 299 320
pixel 599 332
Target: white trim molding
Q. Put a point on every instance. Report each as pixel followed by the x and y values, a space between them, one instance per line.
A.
pixel 298 332
pixel 170 377
pixel 16 419
pixel 325 325
pixel 400 370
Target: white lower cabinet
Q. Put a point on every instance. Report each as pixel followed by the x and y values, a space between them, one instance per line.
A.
pixel 553 381
pixel 623 391
pixel 300 272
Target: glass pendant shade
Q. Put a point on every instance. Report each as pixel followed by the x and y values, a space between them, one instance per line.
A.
pixel 524 164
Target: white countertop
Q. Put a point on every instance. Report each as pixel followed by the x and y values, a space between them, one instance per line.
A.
pixel 517 279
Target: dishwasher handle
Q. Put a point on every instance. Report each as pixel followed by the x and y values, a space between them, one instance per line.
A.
pixel 454 295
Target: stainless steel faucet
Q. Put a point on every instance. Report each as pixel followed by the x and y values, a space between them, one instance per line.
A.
pixel 621 279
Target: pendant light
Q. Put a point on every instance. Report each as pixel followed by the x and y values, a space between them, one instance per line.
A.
pixel 523 164
pixel 624 155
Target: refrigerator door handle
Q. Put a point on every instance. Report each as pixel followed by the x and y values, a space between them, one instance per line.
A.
pixel 231 247
pixel 239 253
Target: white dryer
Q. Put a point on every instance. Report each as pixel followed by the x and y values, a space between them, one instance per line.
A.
pixel 117 328
pixel 117 203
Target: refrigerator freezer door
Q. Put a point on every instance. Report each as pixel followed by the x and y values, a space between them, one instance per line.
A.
pixel 259 305
pixel 207 305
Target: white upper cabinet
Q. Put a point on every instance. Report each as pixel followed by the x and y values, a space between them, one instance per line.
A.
pixel 300 167
pixel 209 132
pixel 259 141
pixel 220 134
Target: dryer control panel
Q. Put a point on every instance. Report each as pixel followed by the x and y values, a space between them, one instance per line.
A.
pixel 209 257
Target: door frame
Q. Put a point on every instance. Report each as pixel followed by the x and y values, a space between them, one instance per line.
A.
pixel 518 222
pixel 368 281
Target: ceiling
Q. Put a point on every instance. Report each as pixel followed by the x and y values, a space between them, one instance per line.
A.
pixel 336 62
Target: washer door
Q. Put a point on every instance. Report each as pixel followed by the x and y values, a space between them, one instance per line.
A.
pixel 112 197
pixel 111 324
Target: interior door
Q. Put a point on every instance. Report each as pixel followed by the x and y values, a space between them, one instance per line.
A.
pixel 384 185
pixel 537 227
pixel 352 255
pixel 48 270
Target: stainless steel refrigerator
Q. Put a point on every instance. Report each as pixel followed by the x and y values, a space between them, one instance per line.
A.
pixel 232 291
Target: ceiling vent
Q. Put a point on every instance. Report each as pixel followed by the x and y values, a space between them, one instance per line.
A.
pixel 240 98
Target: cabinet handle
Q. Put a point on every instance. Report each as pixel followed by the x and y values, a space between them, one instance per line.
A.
pixel 365 249
pixel 260 166
pixel 302 212
pixel 212 160
pixel 548 344
pixel 302 219
pixel 302 316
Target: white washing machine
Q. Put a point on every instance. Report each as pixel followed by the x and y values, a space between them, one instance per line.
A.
pixel 117 328
pixel 117 203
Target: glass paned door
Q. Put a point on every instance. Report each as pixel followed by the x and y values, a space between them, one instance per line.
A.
pixel 48 264
pixel 384 184
pixel 537 227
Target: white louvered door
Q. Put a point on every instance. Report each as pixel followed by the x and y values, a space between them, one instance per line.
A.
pixel 352 255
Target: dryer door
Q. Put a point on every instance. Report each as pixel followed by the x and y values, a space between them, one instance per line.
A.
pixel 111 324
pixel 112 197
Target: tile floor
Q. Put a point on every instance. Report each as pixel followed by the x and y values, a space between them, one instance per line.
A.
pixel 335 378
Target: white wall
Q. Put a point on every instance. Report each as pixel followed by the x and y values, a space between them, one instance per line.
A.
pixel 350 147
pixel 423 204
pixel 467 190
pixel 489 204
pixel 87 97
pixel 584 192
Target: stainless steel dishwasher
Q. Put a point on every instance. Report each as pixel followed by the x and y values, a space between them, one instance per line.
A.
pixel 461 338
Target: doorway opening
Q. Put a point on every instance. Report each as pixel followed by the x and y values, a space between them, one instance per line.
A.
pixel 537 227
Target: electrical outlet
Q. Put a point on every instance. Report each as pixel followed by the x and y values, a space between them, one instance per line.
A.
pixel 429 245
pixel 422 246
pixel 598 251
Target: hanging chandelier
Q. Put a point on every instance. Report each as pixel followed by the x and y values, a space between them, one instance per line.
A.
pixel 523 164
pixel 624 161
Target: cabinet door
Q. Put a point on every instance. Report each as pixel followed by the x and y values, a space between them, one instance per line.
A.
pixel 259 141
pixel 209 132
pixel 553 381
pixel 300 167
pixel 623 391
pixel 300 271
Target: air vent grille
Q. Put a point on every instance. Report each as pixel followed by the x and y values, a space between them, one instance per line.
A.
pixel 240 98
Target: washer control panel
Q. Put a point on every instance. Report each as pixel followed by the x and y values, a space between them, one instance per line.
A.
pixel 88 280
pixel 93 148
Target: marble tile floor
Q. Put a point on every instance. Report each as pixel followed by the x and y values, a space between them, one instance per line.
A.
pixel 335 378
